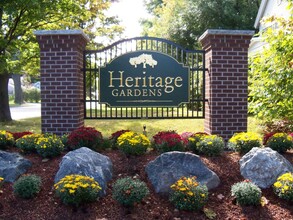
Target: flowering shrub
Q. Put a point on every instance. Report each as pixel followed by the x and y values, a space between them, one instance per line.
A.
pixel 267 137
pixel 188 194
pixel 128 191
pixel 6 139
pixel 243 142
pixel 246 193
pixel 85 137
pixel 28 186
pixel 193 141
pixel 64 140
pixel 49 145
pixel 132 143
pixel 185 136
pixel 210 145
pixel 280 142
pixel 17 135
pixel 166 141
pixel 283 187
pixel 114 136
pixel 1 181
pixel 77 189
pixel 27 143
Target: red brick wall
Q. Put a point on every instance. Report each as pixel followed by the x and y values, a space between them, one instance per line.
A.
pixel 61 80
pixel 226 81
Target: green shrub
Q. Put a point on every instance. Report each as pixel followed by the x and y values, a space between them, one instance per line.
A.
pixel 6 139
pixel 28 186
pixel 283 187
pixel 132 143
pixel 32 95
pixel 243 142
pixel 188 194
pixel 165 141
pixel 280 142
pixel 128 191
pixel 210 145
pixel 49 145
pixel 246 193
pixel 77 189
pixel 193 141
pixel 85 137
pixel 27 143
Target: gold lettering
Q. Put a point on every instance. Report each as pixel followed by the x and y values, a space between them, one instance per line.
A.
pixel 115 92
pixel 129 92
pixel 159 82
pixel 178 79
pixel 150 81
pixel 137 81
pixel 128 80
pixel 168 87
pixel 120 79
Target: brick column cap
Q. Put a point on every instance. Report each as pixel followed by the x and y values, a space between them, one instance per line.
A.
pixel 61 32
pixel 225 32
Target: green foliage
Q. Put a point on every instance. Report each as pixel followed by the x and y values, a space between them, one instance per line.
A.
pixel 188 194
pixel 183 21
pixel 6 139
pixel 28 186
pixel 243 142
pixel 19 51
pixel 32 95
pixel 280 142
pixel 246 193
pixel 132 143
pixel 210 145
pixel 283 187
pixel 271 75
pixel 27 143
pixel 77 189
pixel 49 145
pixel 128 191
pixel 193 141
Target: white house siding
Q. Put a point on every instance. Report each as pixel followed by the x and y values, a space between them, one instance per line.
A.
pixel 267 8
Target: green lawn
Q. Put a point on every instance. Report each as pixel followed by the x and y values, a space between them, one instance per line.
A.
pixel 107 127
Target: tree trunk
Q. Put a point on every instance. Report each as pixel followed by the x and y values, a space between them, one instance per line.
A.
pixel 18 98
pixel 4 99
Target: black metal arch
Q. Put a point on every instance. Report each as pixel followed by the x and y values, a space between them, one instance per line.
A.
pixel 194 59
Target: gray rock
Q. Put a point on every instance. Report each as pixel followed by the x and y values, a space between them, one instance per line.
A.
pixel 12 165
pixel 263 166
pixel 167 168
pixel 84 161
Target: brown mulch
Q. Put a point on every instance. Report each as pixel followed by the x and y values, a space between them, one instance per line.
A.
pixel 46 206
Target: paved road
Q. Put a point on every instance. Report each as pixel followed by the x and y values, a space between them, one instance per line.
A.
pixel 30 110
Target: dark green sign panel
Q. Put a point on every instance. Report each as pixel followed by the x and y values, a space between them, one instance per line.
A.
pixel 144 79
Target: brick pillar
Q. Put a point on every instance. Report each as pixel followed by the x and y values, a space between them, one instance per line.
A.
pixel 61 79
pixel 226 80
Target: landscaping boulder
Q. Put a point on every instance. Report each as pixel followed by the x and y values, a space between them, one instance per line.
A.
pixel 263 166
pixel 12 165
pixel 84 161
pixel 167 168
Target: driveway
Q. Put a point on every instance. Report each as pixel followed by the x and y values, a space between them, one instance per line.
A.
pixel 30 110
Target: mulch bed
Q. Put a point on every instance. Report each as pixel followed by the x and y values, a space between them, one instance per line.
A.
pixel 46 206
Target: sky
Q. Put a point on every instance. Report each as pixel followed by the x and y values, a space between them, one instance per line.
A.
pixel 129 12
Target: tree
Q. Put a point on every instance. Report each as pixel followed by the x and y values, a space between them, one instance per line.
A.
pixel 183 21
pixel 18 20
pixel 271 75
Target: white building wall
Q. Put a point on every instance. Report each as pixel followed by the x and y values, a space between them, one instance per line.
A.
pixel 267 9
